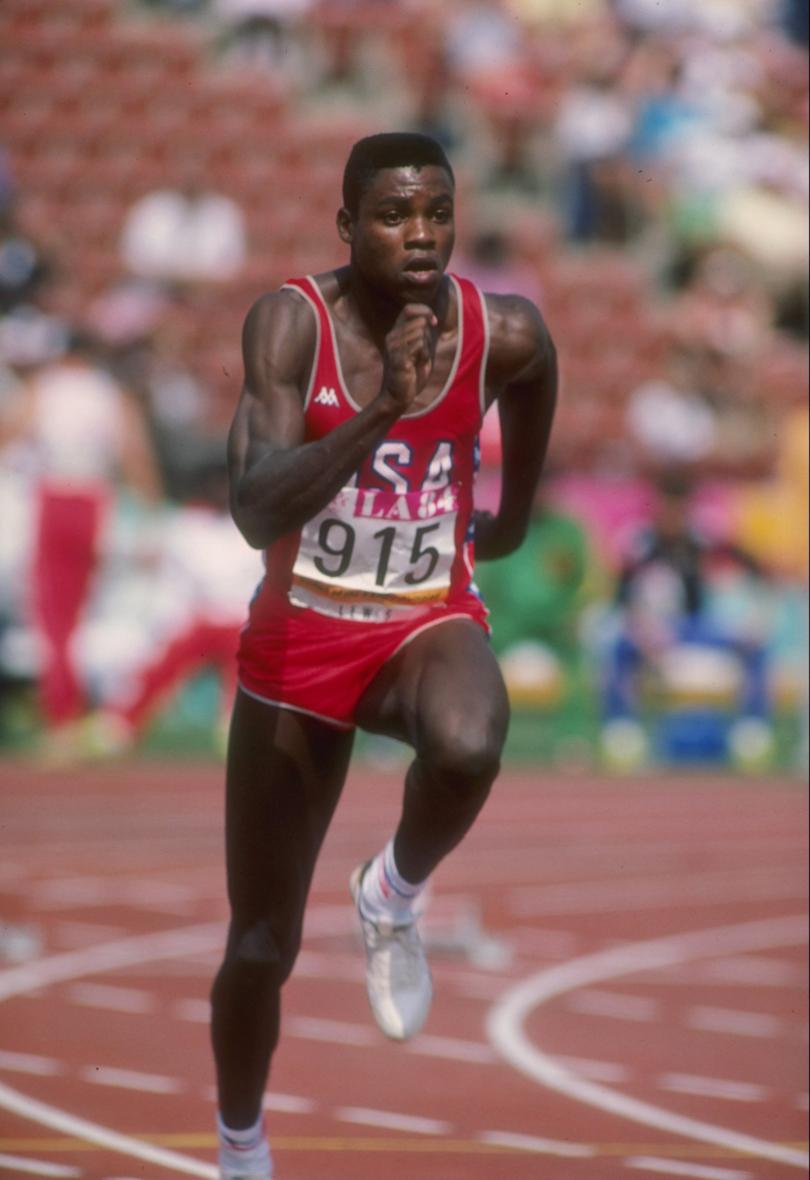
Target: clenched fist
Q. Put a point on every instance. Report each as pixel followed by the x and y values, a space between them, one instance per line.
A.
pixel 410 347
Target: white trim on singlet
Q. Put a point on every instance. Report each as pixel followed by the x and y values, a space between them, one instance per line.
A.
pixel 295 709
pixel 316 353
pixel 453 370
pixel 482 386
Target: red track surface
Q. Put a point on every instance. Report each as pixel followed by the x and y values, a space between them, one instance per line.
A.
pixel 562 1044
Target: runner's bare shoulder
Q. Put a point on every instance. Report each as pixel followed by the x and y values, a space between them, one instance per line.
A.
pixel 278 340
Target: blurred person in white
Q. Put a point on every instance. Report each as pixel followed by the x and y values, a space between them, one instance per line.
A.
pixel 488 63
pixel 481 38
pixel 592 132
pixel 148 341
pixel 83 438
pixel 670 417
pixel 201 570
pixel 187 234
pixel 723 319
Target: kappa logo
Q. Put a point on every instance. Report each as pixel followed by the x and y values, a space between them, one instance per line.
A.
pixel 327 397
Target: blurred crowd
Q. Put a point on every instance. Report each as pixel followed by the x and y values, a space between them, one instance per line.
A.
pixel 638 168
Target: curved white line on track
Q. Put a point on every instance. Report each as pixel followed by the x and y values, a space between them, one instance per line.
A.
pixel 111 956
pixel 35 1167
pixel 506 1020
pixel 68 1124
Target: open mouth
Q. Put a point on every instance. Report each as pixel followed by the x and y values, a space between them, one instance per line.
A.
pixel 422 269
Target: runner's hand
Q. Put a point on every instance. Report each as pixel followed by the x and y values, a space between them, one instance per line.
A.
pixel 410 348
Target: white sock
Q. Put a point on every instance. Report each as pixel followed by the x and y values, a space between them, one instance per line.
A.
pixel 245 1151
pixel 386 895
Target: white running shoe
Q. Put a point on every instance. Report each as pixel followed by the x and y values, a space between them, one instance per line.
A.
pixel 398 980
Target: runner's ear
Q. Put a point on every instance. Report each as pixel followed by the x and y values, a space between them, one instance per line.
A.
pixel 345 225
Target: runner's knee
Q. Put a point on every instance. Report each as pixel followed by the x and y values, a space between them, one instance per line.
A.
pixel 463 754
pixel 259 949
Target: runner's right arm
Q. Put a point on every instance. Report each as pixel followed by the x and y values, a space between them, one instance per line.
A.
pixel 279 481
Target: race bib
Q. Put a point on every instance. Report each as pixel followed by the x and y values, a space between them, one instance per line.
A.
pixel 370 554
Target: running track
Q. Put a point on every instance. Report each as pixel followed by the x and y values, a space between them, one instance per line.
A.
pixel 620 970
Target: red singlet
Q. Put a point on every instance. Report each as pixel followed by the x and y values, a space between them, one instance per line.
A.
pixel 391 555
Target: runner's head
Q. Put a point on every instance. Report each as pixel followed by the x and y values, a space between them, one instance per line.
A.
pixel 397 214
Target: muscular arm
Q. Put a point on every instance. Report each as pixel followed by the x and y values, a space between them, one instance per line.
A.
pixel 279 481
pixel 523 369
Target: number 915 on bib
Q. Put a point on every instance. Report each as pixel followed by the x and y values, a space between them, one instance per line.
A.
pixel 374 546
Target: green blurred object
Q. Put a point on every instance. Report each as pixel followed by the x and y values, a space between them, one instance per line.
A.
pixel 536 596
pixel 537 592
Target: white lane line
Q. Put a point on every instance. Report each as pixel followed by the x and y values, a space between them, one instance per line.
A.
pixel 506 1020
pixel 43 1067
pixel 339 1032
pixel 289 1104
pixel 743 970
pixel 110 956
pixel 69 936
pixel 129 1079
pixel 535 1143
pixel 68 1124
pixel 18 1163
pixel 454 1049
pixel 664 1167
pixel 391 1121
pixel 131 1000
pixel 280 1103
pixel 596 1071
pixel 748 969
pixel 107 957
pixel 592 1002
pixel 684 1083
pixel 736 1024
pixel 196 1011
pixel 72 892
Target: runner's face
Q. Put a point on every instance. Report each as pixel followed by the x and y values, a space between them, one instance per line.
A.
pixel 402 235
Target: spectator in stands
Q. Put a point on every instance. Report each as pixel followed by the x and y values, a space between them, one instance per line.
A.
pixel 148 344
pixel 23 264
pixel 493 262
pixel 670 417
pixel 663 602
pixel 592 132
pixel 187 235
pixel 202 572
pixel 178 7
pixel 83 436
pixel 263 33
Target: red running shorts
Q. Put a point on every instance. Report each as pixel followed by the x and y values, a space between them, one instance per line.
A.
pixel 318 665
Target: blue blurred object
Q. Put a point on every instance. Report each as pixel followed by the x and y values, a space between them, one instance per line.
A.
pixel 686 736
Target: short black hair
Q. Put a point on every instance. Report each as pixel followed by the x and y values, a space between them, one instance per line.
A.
pixel 390 149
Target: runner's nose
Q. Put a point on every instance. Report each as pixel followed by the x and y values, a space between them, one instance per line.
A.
pixel 420 232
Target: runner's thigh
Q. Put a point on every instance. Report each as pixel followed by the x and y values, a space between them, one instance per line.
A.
pixel 284 778
pixel 445 681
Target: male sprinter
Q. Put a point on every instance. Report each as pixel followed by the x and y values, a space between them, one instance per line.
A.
pixel 353 455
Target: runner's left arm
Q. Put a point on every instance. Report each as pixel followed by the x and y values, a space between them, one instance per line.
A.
pixel 522 368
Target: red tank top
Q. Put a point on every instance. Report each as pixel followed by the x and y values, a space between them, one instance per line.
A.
pixel 398 537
